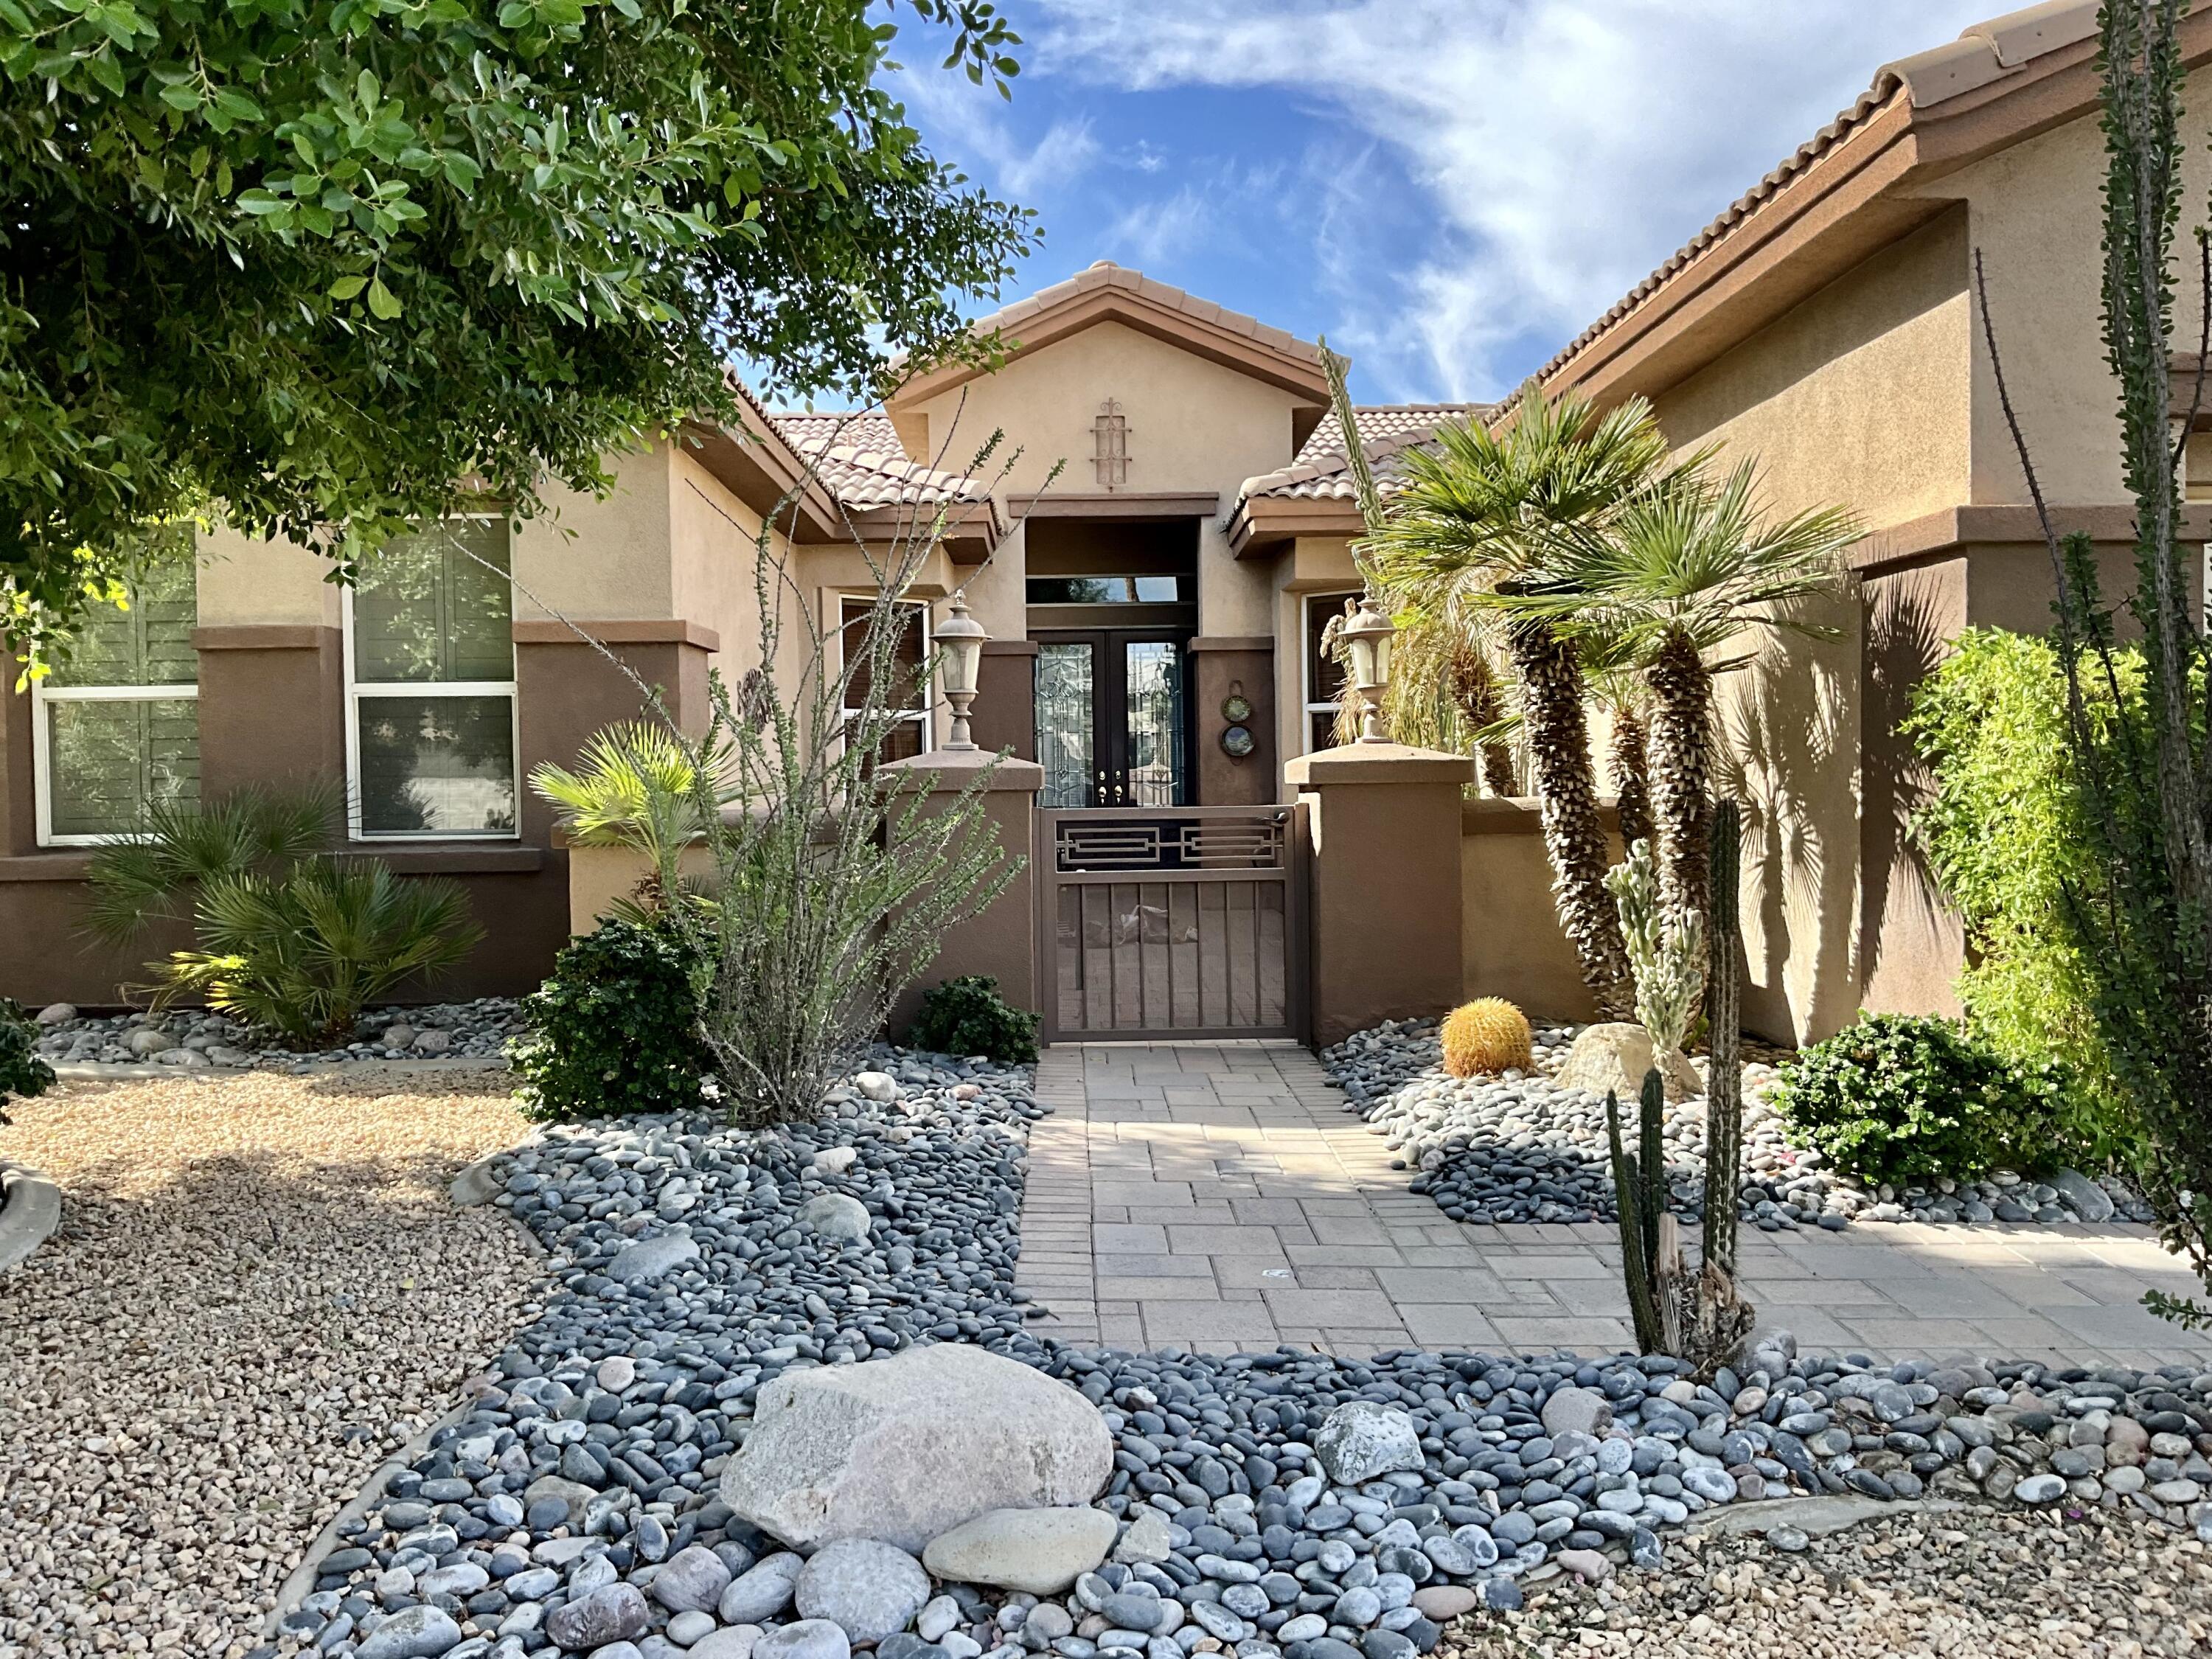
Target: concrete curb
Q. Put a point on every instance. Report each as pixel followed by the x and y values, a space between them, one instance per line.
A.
pixel 86 1071
pixel 301 1582
pixel 30 1210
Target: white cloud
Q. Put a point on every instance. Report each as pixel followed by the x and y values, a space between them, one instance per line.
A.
pixel 1562 148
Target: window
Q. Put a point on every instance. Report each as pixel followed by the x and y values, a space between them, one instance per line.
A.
pixel 1325 677
pixel 1112 590
pixel 910 736
pixel 116 728
pixel 430 731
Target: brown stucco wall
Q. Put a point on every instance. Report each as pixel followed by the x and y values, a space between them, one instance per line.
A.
pixel 1005 712
pixel 1510 942
pixel 1216 666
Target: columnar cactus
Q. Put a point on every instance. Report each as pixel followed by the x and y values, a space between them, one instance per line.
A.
pixel 1639 1186
pixel 1724 1060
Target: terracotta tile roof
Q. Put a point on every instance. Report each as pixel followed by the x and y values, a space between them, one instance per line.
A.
pixel 1323 471
pixel 1984 52
pixel 858 460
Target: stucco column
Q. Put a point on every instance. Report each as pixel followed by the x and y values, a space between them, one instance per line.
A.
pixel 1385 824
pixel 999 939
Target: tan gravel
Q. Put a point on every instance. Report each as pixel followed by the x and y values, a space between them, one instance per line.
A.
pixel 1979 1584
pixel 258 1292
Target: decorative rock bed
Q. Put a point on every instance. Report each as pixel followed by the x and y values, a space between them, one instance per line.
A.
pixel 678 1457
pixel 1514 1147
pixel 192 1038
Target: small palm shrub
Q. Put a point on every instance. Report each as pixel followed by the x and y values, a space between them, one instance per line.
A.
pixel 615 1027
pixel 1487 1035
pixel 304 952
pixel 157 878
pixel 967 1016
pixel 1899 1098
pixel 22 1072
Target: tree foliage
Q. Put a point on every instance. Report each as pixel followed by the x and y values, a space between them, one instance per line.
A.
pixel 309 263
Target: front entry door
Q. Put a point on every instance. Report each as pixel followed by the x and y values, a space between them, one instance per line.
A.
pixel 1110 718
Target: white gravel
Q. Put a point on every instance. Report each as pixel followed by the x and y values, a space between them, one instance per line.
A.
pixel 1977 1583
pixel 258 1292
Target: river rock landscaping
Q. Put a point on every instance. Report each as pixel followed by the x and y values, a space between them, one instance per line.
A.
pixel 192 1038
pixel 1515 1146
pixel 729 1434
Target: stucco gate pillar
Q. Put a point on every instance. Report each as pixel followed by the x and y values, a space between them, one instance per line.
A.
pixel 999 939
pixel 1385 823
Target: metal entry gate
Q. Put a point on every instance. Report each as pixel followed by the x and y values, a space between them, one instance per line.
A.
pixel 1177 921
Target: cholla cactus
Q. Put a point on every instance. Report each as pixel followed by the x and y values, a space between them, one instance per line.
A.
pixel 1667 950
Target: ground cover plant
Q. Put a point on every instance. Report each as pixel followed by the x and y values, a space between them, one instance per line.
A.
pixel 966 1015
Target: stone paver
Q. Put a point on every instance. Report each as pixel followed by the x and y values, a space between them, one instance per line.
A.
pixel 1217 1196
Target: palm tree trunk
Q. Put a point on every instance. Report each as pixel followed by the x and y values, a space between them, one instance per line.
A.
pixel 1474 688
pixel 1681 766
pixel 1574 834
pixel 1631 765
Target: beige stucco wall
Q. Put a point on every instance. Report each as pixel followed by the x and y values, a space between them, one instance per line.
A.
pixel 247 583
pixel 1193 425
pixel 2036 215
pixel 599 559
pixel 1860 397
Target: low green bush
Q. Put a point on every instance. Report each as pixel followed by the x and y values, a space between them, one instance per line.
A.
pixel 304 952
pixel 22 1072
pixel 967 1016
pixel 2005 835
pixel 615 1028
pixel 1905 1098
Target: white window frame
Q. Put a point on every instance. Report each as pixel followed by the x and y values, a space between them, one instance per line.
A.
pixel 924 716
pixel 42 760
pixel 1306 702
pixel 357 691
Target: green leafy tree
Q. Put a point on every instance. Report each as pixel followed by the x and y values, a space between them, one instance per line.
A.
pixel 307 262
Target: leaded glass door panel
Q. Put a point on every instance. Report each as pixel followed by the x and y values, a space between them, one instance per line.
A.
pixel 1112 718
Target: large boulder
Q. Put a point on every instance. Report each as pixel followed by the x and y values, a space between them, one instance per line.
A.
pixel 1615 1056
pixel 1040 1552
pixel 1361 1440
pixel 907 1448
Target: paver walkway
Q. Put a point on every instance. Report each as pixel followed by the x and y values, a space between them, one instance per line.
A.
pixel 1218 1197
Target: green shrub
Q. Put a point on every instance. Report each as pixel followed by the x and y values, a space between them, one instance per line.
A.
pixel 22 1072
pixel 2004 832
pixel 305 952
pixel 967 1016
pixel 615 1028
pixel 1902 1098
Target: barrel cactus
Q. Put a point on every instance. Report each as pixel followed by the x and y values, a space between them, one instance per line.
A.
pixel 1487 1035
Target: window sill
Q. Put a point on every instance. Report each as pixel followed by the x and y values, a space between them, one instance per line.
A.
pixel 405 858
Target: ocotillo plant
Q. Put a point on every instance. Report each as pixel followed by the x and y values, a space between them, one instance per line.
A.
pixel 1725 1053
pixel 1639 1185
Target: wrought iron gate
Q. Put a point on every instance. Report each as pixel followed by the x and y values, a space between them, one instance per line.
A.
pixel 1183 921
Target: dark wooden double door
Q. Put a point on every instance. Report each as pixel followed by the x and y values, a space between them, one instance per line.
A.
pixel 1113 717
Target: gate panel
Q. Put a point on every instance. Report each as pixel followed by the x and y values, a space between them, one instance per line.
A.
pixel 1184 921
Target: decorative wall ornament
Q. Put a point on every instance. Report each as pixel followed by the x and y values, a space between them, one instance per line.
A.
pixel 1237 742
pixel 1109 437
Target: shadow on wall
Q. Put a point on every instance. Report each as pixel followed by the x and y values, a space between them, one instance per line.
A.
pixel 1911 943
pixel 1788 725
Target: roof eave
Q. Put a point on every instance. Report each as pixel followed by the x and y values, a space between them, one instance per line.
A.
pixel 1263 526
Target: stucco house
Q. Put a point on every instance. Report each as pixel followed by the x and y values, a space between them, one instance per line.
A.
pixel 1155 612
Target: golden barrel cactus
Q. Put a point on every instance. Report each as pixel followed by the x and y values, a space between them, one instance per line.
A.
pixel 1487 1035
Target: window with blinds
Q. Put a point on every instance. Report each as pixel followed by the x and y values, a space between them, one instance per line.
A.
pixel 430 686
pixel 116 727
pixel 909 734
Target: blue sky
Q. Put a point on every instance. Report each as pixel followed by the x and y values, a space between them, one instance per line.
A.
pixel 1448 189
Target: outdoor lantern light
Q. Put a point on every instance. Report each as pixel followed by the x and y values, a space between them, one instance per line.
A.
pixel 1367 634
pixel 961 637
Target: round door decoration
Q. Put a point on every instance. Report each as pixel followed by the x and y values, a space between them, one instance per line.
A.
pixel 1235 709
pixel 1236 741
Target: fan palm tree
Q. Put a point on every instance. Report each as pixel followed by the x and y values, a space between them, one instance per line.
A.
pixel 1477 524
pixel 1682 571
pixel 637 784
